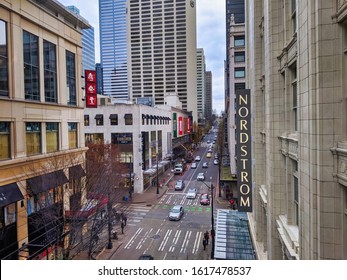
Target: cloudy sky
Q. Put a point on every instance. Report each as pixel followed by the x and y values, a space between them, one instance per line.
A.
pixel 210 37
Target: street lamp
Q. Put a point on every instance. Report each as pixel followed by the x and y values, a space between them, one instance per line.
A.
pixel 157 176
pixel 213 232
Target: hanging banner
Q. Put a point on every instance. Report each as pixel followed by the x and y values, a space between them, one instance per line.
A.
pixel 244 149
pixel 174 123
pixel 180 126
pixel 90 88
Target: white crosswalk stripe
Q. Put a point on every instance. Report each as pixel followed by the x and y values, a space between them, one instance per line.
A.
pixel 134 213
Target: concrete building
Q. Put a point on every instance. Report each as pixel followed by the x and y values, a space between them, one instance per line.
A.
pixel 161 45
pixel 41 122
pixel 208 100
pixel 201 85
pixel 145 135
pixel 296 66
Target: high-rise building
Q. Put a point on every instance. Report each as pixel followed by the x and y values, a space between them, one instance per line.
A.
pixel 113 47
pixel 297 71
pixel 208 99
pixel 88 44
pixel 201 84
pixel 162 51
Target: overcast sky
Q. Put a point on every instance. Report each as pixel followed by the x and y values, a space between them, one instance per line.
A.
pixel 210 37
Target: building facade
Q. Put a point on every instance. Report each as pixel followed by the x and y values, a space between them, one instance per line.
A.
pixel 41 122
pixel 201 85
pixel 113 48
pixel 208 100
pixel 162 51
pixel 297 75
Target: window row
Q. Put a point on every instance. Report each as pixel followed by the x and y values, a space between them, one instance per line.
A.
pixel 31 70
pixel 34 138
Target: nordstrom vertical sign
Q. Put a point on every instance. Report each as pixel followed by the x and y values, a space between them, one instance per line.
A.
pixel 244 149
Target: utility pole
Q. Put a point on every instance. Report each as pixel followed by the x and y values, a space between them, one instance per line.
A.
pixel 157 176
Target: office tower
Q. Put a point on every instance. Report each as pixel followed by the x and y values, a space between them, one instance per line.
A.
pixel 162 51
pixel 99 79
pixel 201 83
pixel 297 76
pixel 88 44
pixel 208 99
pixel 113 47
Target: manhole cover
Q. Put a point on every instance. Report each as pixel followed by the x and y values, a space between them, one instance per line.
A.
pixel 156 236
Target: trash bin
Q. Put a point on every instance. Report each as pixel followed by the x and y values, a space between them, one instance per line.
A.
pixel 126 198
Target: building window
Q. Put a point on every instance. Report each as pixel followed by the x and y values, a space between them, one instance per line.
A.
pixel 114 119
pixel 52 137
pixel 5 140
pixel 7 215
pixel 240 72
pixel 296 192
pixel 128 119
pixel 72 127
pixel 31 66
pixel 33 138
pixel 50 71
pixel 86 120
pixel 70 78
pixel 240 86
pixel 293 16
pixel 239 57
pixel 294 98
pixel 239 41
pixel 99 118
pixel 3 60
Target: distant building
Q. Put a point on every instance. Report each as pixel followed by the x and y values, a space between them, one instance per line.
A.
pixel 201 85
pixel 208 96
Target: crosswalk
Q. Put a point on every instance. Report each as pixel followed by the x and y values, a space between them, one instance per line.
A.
pixel 134 212
pixel 178 241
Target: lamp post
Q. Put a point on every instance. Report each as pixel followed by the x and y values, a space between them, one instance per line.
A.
pixel 213 232
pixel 131 179
pixel 157 176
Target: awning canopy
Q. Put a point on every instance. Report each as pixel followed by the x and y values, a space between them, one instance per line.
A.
pixel 99 116
pixel 128 116
pixel 9 194
pixel 76 172
pixel 47 181
pixel 233 240
pixel 114 117
pixel 225 174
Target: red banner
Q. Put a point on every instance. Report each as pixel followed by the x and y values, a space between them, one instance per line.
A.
pixel 180 126
pixel 90 88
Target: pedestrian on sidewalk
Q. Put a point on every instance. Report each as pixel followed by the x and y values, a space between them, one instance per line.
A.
pixel 122 225
pixel 206 236
pixel 125 220
pixel 204 243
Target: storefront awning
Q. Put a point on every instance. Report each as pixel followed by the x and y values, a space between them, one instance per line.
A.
pixel 225 174
pixel 114 117
pixel 99 116
pixel 47 181
pixel 128 116
pixel 9 194
pixel 76 172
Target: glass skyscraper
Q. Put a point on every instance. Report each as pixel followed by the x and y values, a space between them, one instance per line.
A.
pixel 113 47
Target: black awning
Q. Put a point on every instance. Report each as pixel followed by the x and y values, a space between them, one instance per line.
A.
pixel 128 116
pixel 76 172
pixel 151 117
pixel 114 117
pixel 143 116
pixel 147 116
pixel 10 193
pixel 47 181
pixel 99 116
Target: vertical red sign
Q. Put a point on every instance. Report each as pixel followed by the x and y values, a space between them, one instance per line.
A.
pixel 90 87
pixel 188 125
pixel 180 125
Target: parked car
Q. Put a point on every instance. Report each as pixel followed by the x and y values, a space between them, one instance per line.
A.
pixel 176 213
pixel 191 193
pixel 205 199
pixel 200 177
pixel 205 165
pixel 197 158
pixel 179 185
pixel 146 257
pixel 215 162
pixel 194 165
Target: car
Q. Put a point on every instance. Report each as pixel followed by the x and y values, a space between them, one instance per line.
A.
pixel 216 162
pixel 216 156
pixel 194 165
pixel 197 158
pixel 200 177
pixel 208 141
pixel 176 213
pixel 208 155
pixel 191 193
pixel 205 165
pixel 179 185
pixel 205 199
pixel 146 257
pixel 210 150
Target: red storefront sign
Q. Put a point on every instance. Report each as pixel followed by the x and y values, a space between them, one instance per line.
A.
pixel 90 87
pixel 180 126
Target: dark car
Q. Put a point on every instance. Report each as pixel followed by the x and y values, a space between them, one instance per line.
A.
pixel 205 199
pixel 146 257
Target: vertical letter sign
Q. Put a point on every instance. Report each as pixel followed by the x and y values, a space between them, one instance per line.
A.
pixel 90 87
pixel 244 149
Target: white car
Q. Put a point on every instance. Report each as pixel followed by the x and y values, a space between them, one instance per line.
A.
pixel 194 165
pixel 197 158
pixel 215 162
pixel 191 193
pixel 201 177
pixel 176 213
